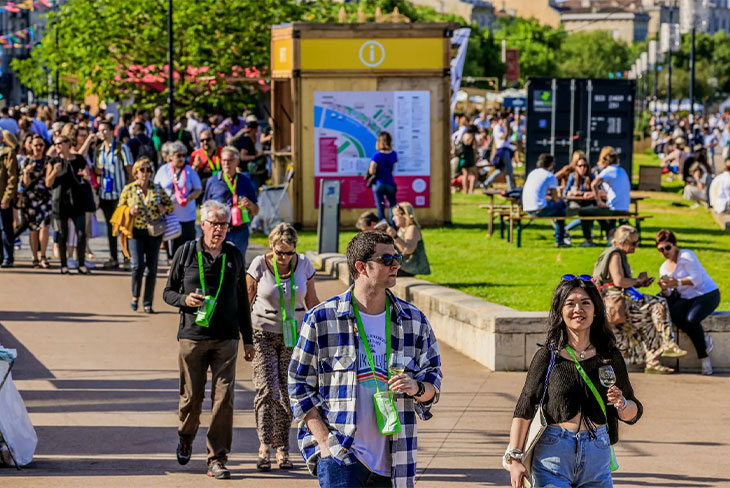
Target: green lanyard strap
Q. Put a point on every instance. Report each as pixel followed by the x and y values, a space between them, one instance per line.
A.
pixel 364 338
pixel 232 189
pixel 584 375
pixel 281 293
pixel 212 164
pixel 202 275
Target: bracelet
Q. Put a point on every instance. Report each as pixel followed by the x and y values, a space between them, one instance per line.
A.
pixel 623 407
pixel 421 389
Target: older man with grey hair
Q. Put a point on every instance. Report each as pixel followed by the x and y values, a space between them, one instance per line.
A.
pixel 207 283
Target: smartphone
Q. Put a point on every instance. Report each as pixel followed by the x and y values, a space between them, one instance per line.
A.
pixel 649 281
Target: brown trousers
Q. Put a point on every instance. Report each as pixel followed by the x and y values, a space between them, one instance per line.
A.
pixel 196 356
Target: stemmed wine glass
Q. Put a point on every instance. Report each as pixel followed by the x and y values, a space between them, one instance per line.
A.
pixel 607 376
pixel 396 367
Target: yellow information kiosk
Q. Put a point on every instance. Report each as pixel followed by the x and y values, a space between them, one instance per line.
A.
pixel 336 86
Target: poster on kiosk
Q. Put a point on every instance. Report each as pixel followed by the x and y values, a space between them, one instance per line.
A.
pixel 346 127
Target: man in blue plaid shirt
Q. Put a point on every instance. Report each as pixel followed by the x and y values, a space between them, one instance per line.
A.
pixel 341 360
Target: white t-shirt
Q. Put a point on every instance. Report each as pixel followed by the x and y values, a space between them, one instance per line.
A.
pixel 617 187
pixel 539 182
pixel 192 182
pixel 266 313
pixel 500 135
pixel 720 193
pixel 688 266
pixel 369 446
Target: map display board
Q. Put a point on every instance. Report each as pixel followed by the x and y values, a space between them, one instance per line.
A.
pixel 346 126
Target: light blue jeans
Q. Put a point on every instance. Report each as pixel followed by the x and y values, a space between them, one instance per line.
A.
pixel 567 459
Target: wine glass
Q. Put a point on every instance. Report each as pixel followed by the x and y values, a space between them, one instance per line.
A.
pixel 607 376
pixel 395 367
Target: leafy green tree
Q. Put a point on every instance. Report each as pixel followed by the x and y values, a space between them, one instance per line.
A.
pixel 592 55
pixel 539 45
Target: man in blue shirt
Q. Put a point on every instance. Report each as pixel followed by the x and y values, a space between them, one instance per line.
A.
pixel 221 188
pixel 7 122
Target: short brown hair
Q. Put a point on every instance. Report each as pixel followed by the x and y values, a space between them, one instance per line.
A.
pixel 362 248
pixel 665 235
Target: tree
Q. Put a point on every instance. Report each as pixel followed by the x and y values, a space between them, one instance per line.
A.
pixel 539 45
pixel 592 54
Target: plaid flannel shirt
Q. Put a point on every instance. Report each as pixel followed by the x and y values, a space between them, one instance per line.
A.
pixel 323 375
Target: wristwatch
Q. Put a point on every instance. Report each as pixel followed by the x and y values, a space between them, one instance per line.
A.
pixel 512 454
pixel 421 389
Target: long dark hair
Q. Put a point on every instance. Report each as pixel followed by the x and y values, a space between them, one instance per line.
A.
pixel 602 336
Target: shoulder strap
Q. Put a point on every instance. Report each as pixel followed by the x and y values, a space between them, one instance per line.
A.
pixel 547 376
pixel 588 381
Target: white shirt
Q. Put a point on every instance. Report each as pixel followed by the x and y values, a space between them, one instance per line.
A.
pixel 617 186
pixel 720 193
pixel 688 266
pixel 192 182
pixel 539 182
pixel 500 135
pixel 369 446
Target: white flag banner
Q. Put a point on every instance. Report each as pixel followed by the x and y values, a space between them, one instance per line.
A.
pixel 459 42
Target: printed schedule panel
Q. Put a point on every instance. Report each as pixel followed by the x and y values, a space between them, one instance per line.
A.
pixel 346 126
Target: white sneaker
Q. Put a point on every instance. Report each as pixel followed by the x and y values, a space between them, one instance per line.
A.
pixel 72 264
pixel 567 240
pixel 706 367
pixel 709 344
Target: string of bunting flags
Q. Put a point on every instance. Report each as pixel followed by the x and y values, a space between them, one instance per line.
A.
pixel 15 7
pixel 18 39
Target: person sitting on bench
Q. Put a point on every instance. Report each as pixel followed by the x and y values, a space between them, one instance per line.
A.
pixel 615 182
pixel 540 196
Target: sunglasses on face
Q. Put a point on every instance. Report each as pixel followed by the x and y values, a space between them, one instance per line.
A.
pixel 58 143
pixel 664 248
pixel 145 170
pixel 633 243
pixel 284 253
pixel 206 139
pixel 582 165
pixel 583 277
pixel 388 259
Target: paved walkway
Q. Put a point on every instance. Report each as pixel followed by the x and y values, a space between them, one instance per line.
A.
pixel 100 383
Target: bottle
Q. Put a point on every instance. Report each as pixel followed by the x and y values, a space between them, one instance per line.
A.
pixel 290 332
pixel 634 294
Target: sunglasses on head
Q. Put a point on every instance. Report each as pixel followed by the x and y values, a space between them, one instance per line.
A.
pixel 284 253
pixel 664 248
pixel 583 277
pixel 388 259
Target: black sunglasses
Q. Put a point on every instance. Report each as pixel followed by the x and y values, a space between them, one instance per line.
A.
pixel 583 277
pixel 206 139
pixel 664 248
pixel 388 259
pixel 285 253
pixel 145 170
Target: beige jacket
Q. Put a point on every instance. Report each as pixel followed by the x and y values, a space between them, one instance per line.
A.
pixel 8 174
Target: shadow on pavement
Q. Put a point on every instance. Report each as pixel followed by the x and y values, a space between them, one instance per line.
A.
pixel 27 365
pixel 495 477
pixel 667 480
pixel 91 318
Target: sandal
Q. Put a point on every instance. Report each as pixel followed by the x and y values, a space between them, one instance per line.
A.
pixel 282 459
pixel 263 463
pixel 655 367
pixel 36 263
pixel 44 262
pixel 672 350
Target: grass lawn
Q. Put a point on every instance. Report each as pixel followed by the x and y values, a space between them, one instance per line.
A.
pixel 464 258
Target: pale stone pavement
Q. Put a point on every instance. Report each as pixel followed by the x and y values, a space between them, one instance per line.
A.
pixel 100 383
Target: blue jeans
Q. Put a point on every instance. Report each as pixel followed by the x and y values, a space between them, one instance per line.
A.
pixel 145 251
pixel 332 474
pixel 240 240
pixel 688 314
pixel 381 192
pixel 554 209
pixel 506 168
pixel 567 459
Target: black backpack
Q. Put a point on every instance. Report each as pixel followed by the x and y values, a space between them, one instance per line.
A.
pixel 146 150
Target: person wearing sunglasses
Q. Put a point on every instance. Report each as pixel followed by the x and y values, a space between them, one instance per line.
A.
pixel 270 281
pixel 354 350
pixel 575 448
pixel 66 176
pixel 579 194
pixel 206 160
pixel 643 328
pixel 691 292
pixel 614 181
pixel 147 203
pixel 409 241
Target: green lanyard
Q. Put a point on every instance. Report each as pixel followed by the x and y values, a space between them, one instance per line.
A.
pixel 584 375
pixel 232 189
pixel 215 168
pixel 202 277
pixel 364 338
pixel 281 293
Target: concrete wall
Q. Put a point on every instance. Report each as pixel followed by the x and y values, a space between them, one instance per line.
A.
pixel 538 9
pixel 499 337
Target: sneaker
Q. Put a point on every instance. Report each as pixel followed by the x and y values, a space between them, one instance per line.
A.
pixel 111 264
pixel 89 264
pixel 218 470
pixel 126 265
pixel 706 367
pixel 588 244
pixel 72 264
pixel 7 264
pixel 672 350
pixel 567 240
pixel 184 450
pixel 709 344
pixel 18 243
pixel 562 244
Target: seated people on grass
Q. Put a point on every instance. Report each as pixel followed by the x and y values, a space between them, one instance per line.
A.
pixel 540 196
pixel 675 157
pixel 615 182
pixel 698 181
pixel 720 191
pixel 578 187
pixel 409 241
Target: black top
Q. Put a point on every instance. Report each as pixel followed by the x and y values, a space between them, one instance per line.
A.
pixel 568 394
pixel 66 201
pixel 232 315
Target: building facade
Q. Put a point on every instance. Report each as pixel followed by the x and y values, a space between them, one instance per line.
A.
pixel 472 11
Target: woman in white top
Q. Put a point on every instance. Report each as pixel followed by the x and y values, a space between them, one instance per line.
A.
pixel 693 295
pixel 269 283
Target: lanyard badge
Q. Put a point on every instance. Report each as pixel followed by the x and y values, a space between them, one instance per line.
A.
pixel 108 179
pixel 205 311
pixel 239 214
pixel 289 322
pixel 386 412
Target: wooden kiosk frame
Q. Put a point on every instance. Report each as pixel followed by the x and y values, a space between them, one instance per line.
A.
pixel 310 57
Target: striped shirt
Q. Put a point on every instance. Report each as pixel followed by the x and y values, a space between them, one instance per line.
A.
pixel 113 165
pixel 323 375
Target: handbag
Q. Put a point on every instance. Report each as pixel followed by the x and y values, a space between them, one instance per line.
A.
pixel 369 179
pixel 155 228
pixel 538 423
pixel 617 311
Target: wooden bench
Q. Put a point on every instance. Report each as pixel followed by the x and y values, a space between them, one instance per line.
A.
pixel 523 216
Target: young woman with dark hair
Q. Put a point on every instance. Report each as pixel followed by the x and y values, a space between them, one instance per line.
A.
pixel 579 427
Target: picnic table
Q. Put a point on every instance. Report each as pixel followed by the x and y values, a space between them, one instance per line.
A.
pixel 514 214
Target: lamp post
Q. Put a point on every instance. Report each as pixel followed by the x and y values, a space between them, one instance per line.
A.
pixel 56 101
pixel 170 79
pixel 692 83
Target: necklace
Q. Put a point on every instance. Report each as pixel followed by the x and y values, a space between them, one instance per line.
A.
pixel 582 354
